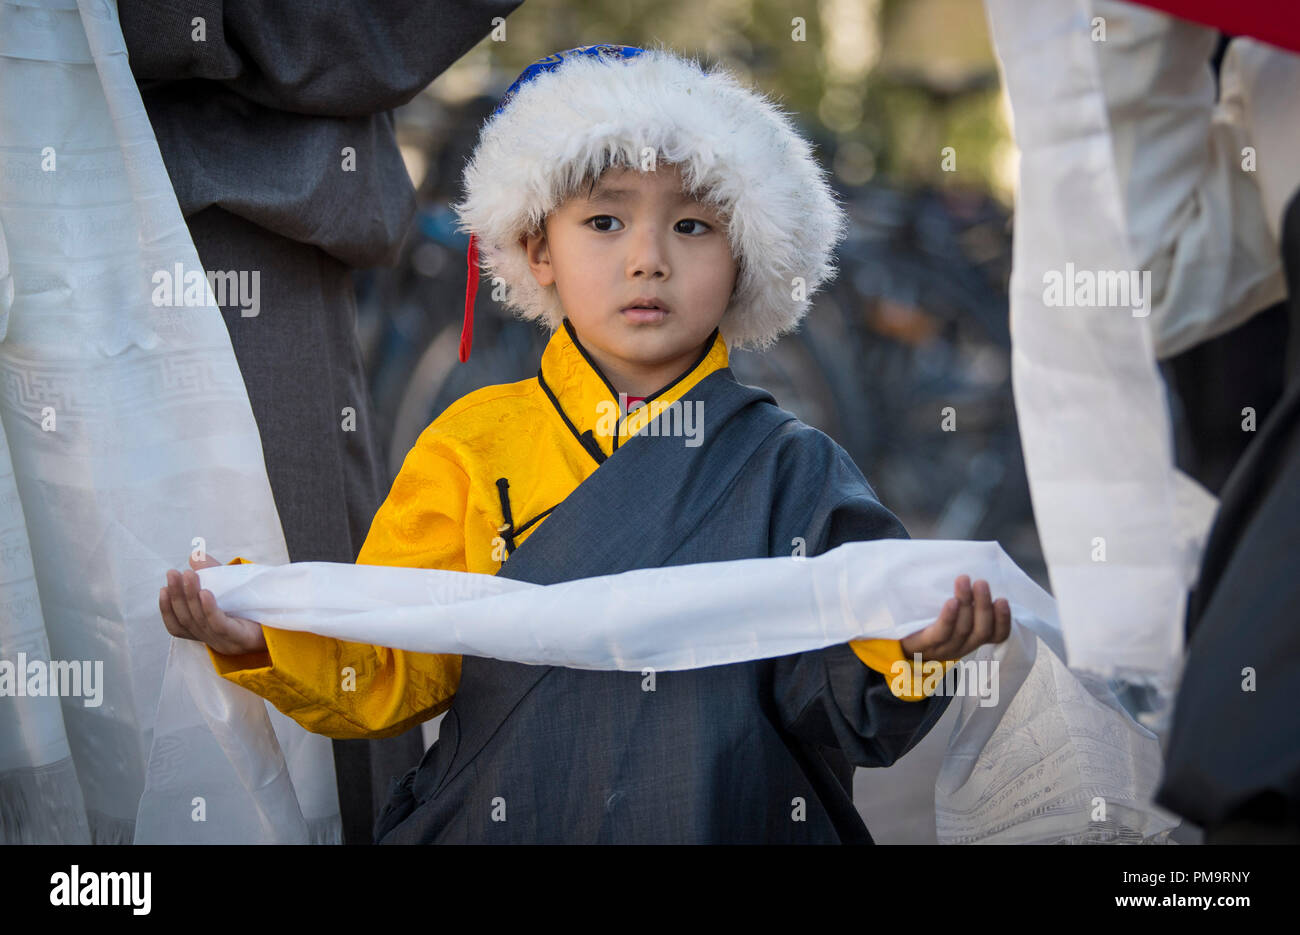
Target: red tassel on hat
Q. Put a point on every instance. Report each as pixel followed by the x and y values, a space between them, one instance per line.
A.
pixel 471 291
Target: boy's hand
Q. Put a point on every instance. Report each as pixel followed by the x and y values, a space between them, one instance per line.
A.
pixel 193 614
pixel 967 621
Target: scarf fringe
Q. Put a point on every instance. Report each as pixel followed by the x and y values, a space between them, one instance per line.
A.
pixel 325 830
pixel 43 805
pixel 1113 832
pixel 106 829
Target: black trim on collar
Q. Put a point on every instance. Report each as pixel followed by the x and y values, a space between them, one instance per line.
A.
pixel 586 439
pixel 622 419
pixel 573 335
pixel 708 346
pixel 524 528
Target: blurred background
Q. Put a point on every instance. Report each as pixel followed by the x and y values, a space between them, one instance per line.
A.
pixel 915 322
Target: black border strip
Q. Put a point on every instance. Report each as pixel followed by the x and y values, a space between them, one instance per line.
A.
pixel 598 455
pixel 522 529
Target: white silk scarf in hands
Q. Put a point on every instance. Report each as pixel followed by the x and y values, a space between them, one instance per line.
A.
pixel 1027 762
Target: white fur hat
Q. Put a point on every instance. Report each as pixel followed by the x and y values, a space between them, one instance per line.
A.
pixel 573 114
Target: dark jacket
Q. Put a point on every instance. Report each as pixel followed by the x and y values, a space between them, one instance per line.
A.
pixel 255 118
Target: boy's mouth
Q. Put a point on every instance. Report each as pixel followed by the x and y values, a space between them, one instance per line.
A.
pixel 645 309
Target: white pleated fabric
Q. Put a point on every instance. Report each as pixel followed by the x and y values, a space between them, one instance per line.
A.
pixel 1040 755
pixel 126 442
pixel 1126 167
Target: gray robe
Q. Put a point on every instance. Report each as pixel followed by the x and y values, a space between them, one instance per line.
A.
pixel 277 135
pixel 761 751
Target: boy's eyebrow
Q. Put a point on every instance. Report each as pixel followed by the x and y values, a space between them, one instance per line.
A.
pixel 611 194
pixel 627 194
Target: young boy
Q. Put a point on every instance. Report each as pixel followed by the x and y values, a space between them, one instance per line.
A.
pixel 652 215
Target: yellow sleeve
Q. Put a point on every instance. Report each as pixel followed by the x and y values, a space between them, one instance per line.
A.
pixel 350 690
pixel 885 656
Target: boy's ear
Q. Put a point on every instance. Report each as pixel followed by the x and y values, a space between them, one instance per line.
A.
pixel 539 256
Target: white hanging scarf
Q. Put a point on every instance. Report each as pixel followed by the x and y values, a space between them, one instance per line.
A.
pixel 1032 749
pixel 1121 175
pixel 119 421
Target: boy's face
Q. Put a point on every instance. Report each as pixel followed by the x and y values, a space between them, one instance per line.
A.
pixel 636 237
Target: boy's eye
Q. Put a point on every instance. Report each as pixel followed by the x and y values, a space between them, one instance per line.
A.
pixel 698 225
pixel 602 219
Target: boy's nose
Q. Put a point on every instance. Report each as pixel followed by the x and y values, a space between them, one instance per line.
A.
pixel 648 257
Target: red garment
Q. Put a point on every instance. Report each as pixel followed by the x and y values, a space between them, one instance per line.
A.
pixel 1267 20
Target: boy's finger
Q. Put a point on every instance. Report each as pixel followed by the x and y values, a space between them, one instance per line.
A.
pixel 221 638
pixel 168 617
pixel 191 581
pixel 965 621
pixel 1002 608
pixel 936 634
pixel 179 607
pixel 177 619
pixel 982 628
pixel 949 647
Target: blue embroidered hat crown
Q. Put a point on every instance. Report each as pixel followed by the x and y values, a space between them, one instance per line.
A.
pixel 555 59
